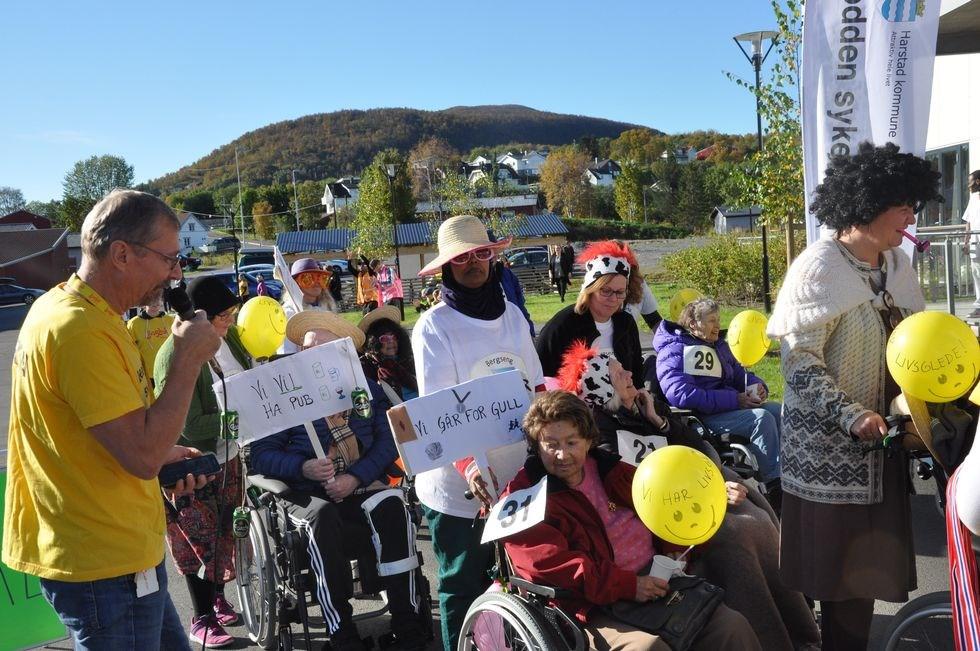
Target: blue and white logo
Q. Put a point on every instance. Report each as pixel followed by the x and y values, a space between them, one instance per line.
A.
pixel 902 11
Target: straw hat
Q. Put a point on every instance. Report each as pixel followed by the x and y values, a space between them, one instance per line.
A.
pixel 459 235
pixel 302 322
pixel 389 312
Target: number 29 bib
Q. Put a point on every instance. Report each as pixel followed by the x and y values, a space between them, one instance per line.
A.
pixel 701 360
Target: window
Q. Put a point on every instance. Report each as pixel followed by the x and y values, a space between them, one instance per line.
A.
pixel 190 226
pixel 953 163
pixel 187 241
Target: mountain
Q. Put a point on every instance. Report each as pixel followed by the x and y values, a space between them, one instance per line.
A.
pixel 344 142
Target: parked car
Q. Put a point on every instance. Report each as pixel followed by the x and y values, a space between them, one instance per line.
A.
pixel 264 269
pixel 231 282
pixel 15 294
pixel 225 244
pixel 336 262
pixel 529 259
pixel 188 263
pixel 255 256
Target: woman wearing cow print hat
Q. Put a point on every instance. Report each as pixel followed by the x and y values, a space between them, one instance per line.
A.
pixel 597 316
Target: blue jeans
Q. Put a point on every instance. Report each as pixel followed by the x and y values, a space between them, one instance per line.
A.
pixel 106 615
pixel 763 428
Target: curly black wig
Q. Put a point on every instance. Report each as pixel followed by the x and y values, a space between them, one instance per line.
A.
pixel 856 189
pixel 385 326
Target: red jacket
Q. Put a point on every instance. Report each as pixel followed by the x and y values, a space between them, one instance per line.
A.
pixel 570 548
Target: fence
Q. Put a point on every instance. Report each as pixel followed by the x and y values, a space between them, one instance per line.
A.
pixel 944 268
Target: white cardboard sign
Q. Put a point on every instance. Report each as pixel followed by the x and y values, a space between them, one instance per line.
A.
pixel 293 390
pixel 518 511
pixel 466 420
pixel 293 293
pixel 634 448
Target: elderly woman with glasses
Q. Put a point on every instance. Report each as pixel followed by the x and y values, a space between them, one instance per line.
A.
pixel 846 531
pixel 597 315
pixel 207 562
pixel 696 370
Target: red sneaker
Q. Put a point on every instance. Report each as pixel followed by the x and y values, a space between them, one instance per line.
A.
pixel 224 611
pixel 206 630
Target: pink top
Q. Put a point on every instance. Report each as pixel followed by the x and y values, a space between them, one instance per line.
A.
pixel 632 542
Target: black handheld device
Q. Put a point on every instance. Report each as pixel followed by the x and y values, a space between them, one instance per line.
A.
pixel 171 473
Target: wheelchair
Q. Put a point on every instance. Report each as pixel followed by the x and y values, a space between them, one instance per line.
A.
pixel 274 577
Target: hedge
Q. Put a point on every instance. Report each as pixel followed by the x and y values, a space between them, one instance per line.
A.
pixel 588 230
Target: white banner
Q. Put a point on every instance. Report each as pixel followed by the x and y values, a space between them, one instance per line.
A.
pixel 469 419
pixel 295 389
pixel 294 294
pixel 866 75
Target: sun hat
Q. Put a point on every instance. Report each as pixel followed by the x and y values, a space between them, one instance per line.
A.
pixel 605 258
pixel 389 312
pixel 302 322
pixel 304 265
pixel 210 294
pixel 459 235
pixel 585 372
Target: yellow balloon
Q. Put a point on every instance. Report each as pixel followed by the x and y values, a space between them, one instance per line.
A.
pixel 680 495
pixel 263 326
pixel 933 356
pixel 680 301
pixel 747 337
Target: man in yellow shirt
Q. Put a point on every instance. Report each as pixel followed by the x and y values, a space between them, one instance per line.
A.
pixel 86 440
pixel 150 328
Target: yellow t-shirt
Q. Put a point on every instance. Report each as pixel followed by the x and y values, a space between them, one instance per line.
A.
pixel 72 512
pixel 149 335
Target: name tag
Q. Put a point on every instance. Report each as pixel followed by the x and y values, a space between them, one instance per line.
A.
pixel 518 511
pixel 146 582
pixel 634 448
pixel 701 360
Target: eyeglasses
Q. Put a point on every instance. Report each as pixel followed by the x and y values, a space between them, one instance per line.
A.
pixel 312 279
pixel 228 314
pixel 174 261
pixel 605 292
pixel 483 255
pixel 388 338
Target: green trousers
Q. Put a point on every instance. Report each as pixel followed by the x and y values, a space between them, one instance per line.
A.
pixel 464 569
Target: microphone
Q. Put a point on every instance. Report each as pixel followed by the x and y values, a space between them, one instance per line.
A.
pixel 181 303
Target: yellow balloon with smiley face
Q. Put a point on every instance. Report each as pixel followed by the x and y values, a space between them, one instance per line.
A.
pixel 747 337
pixel 262 322
pixel 933 356
pixel 680 301
pixel 679 494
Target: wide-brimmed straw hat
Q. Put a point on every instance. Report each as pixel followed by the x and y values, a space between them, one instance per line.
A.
pixel 302 322
pixel 459 235
pixel 389 312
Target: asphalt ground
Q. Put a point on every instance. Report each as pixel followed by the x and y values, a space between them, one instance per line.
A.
pixel 928 526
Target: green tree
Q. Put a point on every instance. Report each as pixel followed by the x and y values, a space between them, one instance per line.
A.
pixel 73 211
pixel 262 219
pixel 49 209
pixel 95 177
pixel 695 196
pixel 458 196
pixel 200 202
pixel 311 210
pixel 628 192
pixel 277 195
pixel 11 200
pixel 563 181
pixel 425 162
pixel 380 203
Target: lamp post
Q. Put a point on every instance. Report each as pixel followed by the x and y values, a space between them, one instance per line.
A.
pixel 296 200
pixel 241 206
pixel 757 39
pixel 390 172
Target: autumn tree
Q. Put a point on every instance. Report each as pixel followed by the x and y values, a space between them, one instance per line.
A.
pixel 628 192
pixel 262 220
pixel 641 146
pixel 381 205
pixel 428 161
pixel 563 181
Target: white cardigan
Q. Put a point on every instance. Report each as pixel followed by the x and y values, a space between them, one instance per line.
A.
pixel 833 360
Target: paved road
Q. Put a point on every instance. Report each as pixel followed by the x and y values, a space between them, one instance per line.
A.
pixel 928 526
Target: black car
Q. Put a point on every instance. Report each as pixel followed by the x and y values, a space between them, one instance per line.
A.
pixel 529 258
pixel 15 294
pixel 231 282
pixel 225 244
pixel 188 263
pixel 256 256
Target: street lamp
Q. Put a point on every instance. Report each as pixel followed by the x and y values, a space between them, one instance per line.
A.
pixel 390 172
pixel 296 200
pixel 241 206
pixel 757 39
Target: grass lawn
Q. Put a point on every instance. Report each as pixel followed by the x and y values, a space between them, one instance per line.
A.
pixel 542 307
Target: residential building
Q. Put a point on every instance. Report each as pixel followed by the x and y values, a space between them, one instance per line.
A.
pixel 527 164
pixel 683 155
pixel 340 194
pixel 603 172
pixel 193 234
pixel 728 219
pixel 25 217
pixel 35 258
pixel 518 204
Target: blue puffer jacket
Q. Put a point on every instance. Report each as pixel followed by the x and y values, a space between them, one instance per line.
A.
pixel 697 375
pixel 281 455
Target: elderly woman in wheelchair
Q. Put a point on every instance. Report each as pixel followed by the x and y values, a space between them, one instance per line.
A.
pixel 348 487
pixel 741 557
pixel 591 542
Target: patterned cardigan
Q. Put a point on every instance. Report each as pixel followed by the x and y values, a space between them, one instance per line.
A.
pixel 833 359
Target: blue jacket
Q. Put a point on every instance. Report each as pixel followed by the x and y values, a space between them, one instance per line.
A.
pixel 281 455
pixel 514 292
pixel 697 375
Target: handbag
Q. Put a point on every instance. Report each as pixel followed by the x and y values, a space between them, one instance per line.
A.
pixel 677 617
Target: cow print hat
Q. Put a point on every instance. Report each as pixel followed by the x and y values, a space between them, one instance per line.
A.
pixel 585 372
pixel 604 258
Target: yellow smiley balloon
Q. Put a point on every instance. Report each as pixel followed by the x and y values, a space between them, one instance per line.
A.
pixel 263 326
pixel 747 337
pixel 933 356
pixel 680 495
pixel 680 301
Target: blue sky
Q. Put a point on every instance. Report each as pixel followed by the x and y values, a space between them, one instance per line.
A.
pixel 163 85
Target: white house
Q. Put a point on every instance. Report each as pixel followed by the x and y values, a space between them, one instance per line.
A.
pixel 505 175
pixel 603 172
pixel 340 194
pixel 683 155
pixel 193 234
pixel 478 161
pixel 526 164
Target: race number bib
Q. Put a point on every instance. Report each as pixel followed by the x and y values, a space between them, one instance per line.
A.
pixel 501 363
pixel 518 511
pixel 634 449
pixel 701 360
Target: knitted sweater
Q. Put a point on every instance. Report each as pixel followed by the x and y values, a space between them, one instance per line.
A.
pixel 833 359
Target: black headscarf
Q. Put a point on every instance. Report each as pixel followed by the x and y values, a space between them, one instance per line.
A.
pixel 485 303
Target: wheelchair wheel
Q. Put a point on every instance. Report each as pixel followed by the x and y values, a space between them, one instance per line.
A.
pixel 923 623
pixel 499 621
pixel 256 580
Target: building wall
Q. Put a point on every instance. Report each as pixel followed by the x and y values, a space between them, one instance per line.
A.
pixel 954 113
pixel 42 271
